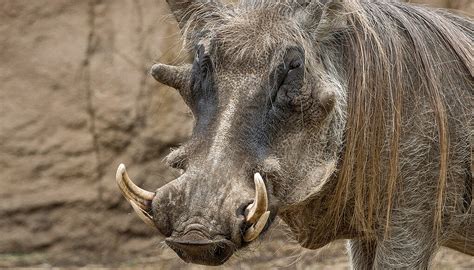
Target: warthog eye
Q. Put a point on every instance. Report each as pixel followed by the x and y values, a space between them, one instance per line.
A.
pixel 202 87
pixel 288 77
pixel 295 64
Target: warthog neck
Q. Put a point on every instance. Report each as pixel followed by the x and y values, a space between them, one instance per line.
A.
pixel 313 224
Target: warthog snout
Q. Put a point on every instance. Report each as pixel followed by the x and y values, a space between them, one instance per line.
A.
pixel 201 225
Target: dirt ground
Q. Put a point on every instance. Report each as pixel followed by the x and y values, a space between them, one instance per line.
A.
pixel 273 253
pixel 76 99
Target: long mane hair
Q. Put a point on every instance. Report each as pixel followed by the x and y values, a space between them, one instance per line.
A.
pixel 397 52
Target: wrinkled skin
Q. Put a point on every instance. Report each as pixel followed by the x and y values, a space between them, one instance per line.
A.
pixel 283 115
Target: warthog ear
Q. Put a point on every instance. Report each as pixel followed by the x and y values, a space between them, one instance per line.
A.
pixel 180 10
pixel 184 9
pixel 323 16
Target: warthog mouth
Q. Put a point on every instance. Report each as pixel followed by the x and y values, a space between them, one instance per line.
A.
pixel 193 248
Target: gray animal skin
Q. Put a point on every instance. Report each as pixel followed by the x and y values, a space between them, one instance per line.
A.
pixel 347 119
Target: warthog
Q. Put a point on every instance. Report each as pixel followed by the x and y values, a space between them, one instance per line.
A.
pixel 347 119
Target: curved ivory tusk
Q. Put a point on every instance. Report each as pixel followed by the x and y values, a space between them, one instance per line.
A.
pixel 253 232
pixel 140 199
pixel 260 203
pixel 142 214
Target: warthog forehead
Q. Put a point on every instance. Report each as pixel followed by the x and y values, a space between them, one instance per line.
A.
pixel 240 89
pixel 253 35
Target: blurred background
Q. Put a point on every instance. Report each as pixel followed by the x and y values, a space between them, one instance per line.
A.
pixel 76 99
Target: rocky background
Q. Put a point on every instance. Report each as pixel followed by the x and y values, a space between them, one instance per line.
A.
pixel 76 99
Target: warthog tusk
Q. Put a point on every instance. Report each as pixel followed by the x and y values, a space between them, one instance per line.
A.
pixel 140 199
pixel 257 213
pixel 260 203
pixel 255 230
pixel 143 214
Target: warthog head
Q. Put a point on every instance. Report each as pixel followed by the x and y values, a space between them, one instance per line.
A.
pixel 268 120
